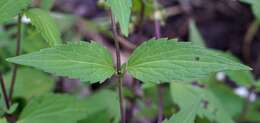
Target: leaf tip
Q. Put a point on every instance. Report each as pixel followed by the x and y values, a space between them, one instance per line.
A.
pixel 12 59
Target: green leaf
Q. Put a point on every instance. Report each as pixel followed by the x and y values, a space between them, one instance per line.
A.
pixel 211 108
pixel 12 108
pixel 253 112
pixel 99 117
pixel 121 10
pixel 47 4
pixel 11 8
pixel 257 84
pixel 255 5
pixel 240 77
pixel 148 7
pixel 52 108
pixel 33 41
pixel 166 60
pixel 46 25
pixel 30 82
pixel 86 61
pixel 186 115
pixel 232 102
pixel 3 120
pixel 95 105
pixel 194 35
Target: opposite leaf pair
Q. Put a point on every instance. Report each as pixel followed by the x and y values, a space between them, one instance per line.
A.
pixel 159 60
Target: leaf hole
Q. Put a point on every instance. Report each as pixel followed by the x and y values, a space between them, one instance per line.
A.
pixel 205 104
pixel 197 58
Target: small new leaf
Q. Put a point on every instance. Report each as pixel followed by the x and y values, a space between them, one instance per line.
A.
pixel 121 10
pixel 46 25
pixel 166 60
pixel 11 8
pixel 86 61
pixel 194 35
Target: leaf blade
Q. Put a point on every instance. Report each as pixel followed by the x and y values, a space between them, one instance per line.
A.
pixel 167 60
pixel 46 25
pixel 194 34
pixel 27 86
pixel 186 115
pixel 70 60
pixel 121 10
pixel 211 107
pixel 11 8
pixel 52 108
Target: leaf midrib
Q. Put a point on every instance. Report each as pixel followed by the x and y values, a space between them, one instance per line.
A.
pixel 73 61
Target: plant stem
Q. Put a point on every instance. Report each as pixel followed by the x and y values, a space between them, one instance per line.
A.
pixel 251 31
pixel 160 103
pixel 118 69
pixel 157 27
pixel 157 22
pixel 18 47
pixel 6 99
pixel 141 17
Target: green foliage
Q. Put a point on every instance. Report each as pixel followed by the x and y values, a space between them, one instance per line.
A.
pixel 255 5
pixel 13 108
pixel 257 84
pixel 211 107
pixel 121 10
pixel 148 7
pixel 185 115
pixel 52 108
pixel 194 35
pixel 33 41
pixel 98 117
pixel 45 24
pixel 11 8
pixel 153 62
pixel 47 4
pixel 240 77
pixel 104 102
pixel 166 60
pixel 233 104
pixel 253 112
pixel 30 83
pixel 86 61
pixel 3 120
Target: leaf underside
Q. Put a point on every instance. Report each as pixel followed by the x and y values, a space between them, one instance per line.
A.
pixel 121 10
pixel 46 25
pixel 85 61
pixel 11 8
